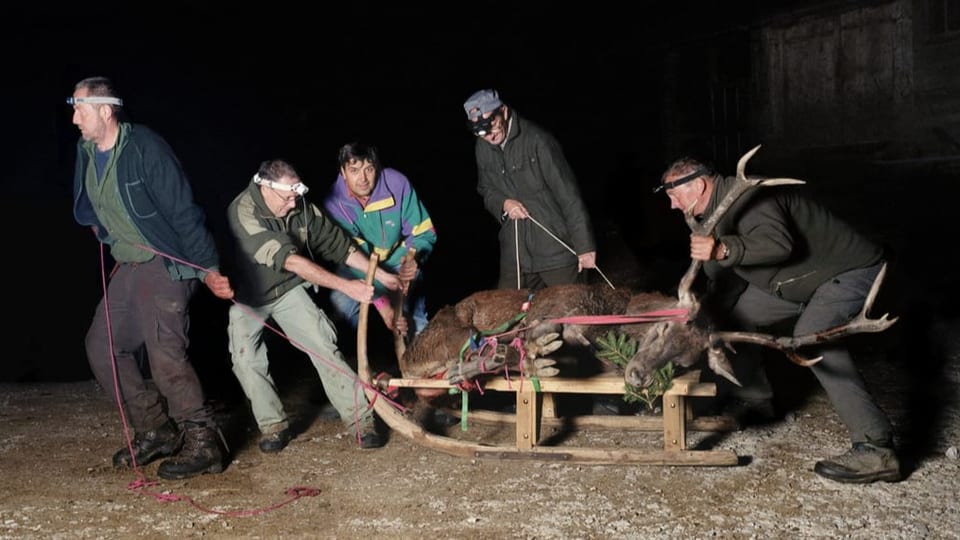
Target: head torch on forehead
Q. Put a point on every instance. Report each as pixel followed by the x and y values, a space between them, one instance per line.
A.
pixel 95 100
pixel 682 180
pixel 299 188
pixel 482 126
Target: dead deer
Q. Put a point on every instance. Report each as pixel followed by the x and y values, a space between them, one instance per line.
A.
pixel 439 350
pixel 683 342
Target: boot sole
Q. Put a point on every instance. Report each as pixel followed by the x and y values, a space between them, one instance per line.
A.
pixel 164 451
pixel 886 476
pixel 212 469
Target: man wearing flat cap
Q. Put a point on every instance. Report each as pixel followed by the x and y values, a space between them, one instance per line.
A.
pixel 546 237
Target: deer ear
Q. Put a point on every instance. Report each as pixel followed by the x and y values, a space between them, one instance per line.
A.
pixel 720 364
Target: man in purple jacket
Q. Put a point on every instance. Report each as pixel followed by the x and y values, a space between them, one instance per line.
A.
pixel 379 208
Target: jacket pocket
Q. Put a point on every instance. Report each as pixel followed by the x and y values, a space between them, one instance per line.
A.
pixel 141 205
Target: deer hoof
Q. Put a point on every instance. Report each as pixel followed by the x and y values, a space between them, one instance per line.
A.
pixel 543 345
pixel 541 367
pixel 547 372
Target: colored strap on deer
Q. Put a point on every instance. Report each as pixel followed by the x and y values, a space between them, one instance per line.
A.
pixel 678 314
pixel 475 343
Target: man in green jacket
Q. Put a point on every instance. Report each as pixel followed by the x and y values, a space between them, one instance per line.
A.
pixel 792 259
pixel 279 235
pixel 130 190
pixel 546 237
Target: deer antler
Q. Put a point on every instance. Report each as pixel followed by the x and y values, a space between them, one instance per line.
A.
pixel 788 345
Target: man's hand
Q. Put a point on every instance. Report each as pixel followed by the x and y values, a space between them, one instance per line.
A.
pixel 388 280
pixel 393 320
pixel 586 260
pixel 515 209
pixel 408 270
pixel 358 290
pixel 702 247
pixel 219 285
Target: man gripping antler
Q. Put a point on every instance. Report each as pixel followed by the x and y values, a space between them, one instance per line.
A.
pixel 789 258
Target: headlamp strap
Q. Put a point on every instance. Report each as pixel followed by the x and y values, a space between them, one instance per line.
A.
pixel 95 100
pixel 299 188
pixel 682 180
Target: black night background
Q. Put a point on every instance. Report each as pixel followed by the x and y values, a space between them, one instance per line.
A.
pixel 624 90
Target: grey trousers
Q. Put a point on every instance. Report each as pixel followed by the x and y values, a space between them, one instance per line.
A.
pixel 835 302
pixel 147 308
pixel 309 329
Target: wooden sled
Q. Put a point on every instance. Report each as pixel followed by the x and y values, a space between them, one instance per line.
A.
pixel 536 409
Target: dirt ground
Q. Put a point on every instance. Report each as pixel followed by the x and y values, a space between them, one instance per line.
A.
pixel 58 482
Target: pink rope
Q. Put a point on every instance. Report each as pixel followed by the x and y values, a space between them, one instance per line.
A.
pixel 141 483
pixel 113 365
pixel 309 351
pixel 294 493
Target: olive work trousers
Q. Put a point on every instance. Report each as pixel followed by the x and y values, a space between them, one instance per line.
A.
pixel 310 330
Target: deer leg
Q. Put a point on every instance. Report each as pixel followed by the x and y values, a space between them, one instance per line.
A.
pixel 477 364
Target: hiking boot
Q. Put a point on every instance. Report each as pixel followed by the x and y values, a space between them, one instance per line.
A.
pixel 150 445
pixel 200 454
pixel 275 442
pixel 371 439
pixel 862 464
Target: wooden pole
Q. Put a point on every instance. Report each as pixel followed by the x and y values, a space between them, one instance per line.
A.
pixel 400 341
pixel 363 365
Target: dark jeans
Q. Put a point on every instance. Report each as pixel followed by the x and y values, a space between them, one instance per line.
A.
pixel 835 302
pixel 147 308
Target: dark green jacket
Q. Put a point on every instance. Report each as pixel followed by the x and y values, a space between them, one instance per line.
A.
pixel 532 169
pixel 786 243
pixel 156 195
pixel 264 242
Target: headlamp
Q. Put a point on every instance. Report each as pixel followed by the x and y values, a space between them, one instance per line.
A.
pixel 682 180
pixel 482 126
pixel 299 188
pixel 95 100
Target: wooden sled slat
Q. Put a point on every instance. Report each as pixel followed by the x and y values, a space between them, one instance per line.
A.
pixel 607 383
pixel 611 422
pixel 529 419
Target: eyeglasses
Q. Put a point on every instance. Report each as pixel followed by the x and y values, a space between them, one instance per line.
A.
pixel 287 198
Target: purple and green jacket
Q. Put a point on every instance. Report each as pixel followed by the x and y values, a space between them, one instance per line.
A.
pixel 393 220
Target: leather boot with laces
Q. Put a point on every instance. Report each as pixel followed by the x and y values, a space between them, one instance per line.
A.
pixel 200 454
pixel 862 464
pixel 150 445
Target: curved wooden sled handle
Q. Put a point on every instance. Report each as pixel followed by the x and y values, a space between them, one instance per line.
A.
pixel 391 416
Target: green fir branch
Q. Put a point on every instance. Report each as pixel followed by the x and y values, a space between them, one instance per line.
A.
pixel 618 349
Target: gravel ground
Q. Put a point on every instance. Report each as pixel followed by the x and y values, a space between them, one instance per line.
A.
pixel 58 483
